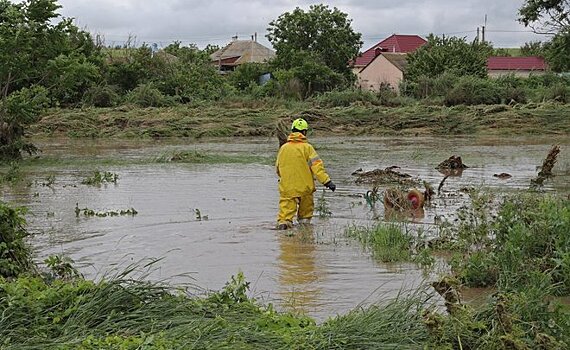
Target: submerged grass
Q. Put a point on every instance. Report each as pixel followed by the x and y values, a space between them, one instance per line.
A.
pixel 197 157
pixel 387 242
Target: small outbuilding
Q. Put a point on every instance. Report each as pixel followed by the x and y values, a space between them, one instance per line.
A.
pixel 518 66
pixel 239 52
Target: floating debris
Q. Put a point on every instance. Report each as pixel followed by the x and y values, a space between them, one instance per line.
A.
pixel 398 199
pixel 453 162
pixel 547 165
pixel 386 176
pixel 103 214
pixel 503 176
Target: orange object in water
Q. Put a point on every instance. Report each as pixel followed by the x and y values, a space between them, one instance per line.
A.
pixel 416 199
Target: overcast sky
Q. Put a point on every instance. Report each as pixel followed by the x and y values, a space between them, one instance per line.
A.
pixel 216 21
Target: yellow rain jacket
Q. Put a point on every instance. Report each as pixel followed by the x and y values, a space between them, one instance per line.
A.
pixel 297 165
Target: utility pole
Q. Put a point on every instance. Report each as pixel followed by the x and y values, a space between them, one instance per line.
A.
pixel 478 35
pixel 484 27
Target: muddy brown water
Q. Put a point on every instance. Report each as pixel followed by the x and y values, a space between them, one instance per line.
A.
pixel 318 272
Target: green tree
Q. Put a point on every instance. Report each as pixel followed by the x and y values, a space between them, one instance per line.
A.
pixel 558 52
pixel 534 48
pixel 546 16
pixel 36 47
pixel 448 55
pixel 188 54
pixel 319 36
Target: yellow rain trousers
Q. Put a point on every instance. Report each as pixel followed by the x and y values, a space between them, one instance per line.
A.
pixel 297 165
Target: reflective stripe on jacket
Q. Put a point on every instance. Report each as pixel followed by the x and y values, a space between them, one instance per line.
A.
pixel 297 165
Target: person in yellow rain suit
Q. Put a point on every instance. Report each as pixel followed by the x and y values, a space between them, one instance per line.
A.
pixel 297 165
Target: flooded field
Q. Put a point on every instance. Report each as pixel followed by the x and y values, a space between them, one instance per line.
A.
pixel 317 271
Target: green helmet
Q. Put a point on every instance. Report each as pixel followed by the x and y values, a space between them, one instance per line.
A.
pixel 300 124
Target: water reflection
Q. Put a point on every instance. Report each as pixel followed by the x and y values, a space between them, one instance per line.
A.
pixel 298 271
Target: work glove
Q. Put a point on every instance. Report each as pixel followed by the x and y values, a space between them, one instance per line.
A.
pixel 330 185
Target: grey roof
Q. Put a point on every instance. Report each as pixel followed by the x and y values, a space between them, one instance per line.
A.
pixel 246 50
pixel 397 59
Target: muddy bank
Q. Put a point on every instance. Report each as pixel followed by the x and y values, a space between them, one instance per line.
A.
pixel 260 120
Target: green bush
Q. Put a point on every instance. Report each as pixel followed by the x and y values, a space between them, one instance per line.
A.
pixel 15 255
pixel 344 98
pixel 247 74
pixel 146 95
pixel 529 235
pixel 473 91
pixel 101 96
pixel 425 86
pixel 512 88
pixel 559 92
pixel 69 78
pixel 478 270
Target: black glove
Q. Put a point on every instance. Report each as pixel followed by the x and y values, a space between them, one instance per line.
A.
pixel 330 185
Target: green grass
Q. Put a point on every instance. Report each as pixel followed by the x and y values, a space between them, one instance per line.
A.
pixel 122 313
pixel 387 242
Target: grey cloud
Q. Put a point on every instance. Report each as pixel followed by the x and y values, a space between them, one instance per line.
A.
pixel 215 21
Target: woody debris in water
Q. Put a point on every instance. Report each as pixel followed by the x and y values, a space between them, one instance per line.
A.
pixel 547 165
pixel 386 176
pixel 453 162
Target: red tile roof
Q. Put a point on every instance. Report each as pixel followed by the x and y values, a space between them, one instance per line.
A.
pixel 516 63
pixel 394 43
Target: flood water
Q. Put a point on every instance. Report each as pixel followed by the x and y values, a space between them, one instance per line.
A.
pixel 317 271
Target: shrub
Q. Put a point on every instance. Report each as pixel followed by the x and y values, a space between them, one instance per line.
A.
pixel 512 88
pixel 146 95
pixel 15 255
pixel 344 98
pixel 247 74
pixel 101 96
pixel 472 91
pixel 425 86
pixel 559 92
pixel 69 78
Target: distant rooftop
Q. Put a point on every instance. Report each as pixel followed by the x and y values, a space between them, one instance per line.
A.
pixel 529 63
pixel 242 51
pixel 396 43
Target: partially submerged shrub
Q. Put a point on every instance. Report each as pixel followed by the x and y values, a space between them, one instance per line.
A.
pixel 15 255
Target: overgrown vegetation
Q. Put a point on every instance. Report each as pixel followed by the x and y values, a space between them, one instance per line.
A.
pixel 527 244
pixel 15 255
